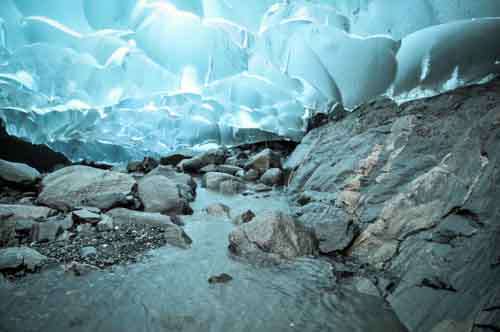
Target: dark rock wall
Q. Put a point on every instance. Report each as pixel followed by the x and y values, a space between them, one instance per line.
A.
pixel 39 156
pixel 421 183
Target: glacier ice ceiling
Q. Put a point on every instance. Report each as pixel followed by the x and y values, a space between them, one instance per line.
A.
pixel 115 80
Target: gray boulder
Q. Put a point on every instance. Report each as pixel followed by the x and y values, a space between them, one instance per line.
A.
pixel 18 174
pixel 222 182
pixel 264 160
pixel 243 218
pixel 21 258
pixel 85 216
pixel 333 227
pixel 218 210
pixel 76 186
pixel 272 177
pixel 12 215
pixel 185 183
pixel 160 194
pixel 195 164
pixel 274 234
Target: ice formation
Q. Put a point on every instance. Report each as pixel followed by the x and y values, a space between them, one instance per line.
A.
pixel 119 79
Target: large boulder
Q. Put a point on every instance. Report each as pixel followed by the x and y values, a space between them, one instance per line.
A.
pixel 420 180
pixel 195 164
pixel 174 234
pixel 21 217
pixel 272 177
pixel 160 194
pixel 12 259
pixel 215 180
pixel 185 183
pixel 18 174
pixel 274 234
pixel 76 186
pixel 264 160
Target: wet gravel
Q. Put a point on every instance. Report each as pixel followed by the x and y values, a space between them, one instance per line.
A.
pixel 122 245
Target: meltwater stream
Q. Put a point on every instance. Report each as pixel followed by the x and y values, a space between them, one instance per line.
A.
pixel 169 290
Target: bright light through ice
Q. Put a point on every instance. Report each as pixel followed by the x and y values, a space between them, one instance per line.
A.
pixel 189 80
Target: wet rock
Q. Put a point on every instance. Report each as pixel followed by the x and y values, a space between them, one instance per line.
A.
pixel 333 227
pixel 264 160
pixel 80 269
pixel 173 159
pixel 195 164
pixel 85 217
pixel 24 226
pixel 232 188
pixel 243 218
pixel 272 177
pixel 229 169
pixel 220 279
pixel 18 174
pixel 208 169
pixel 76 186
pixel 88 252
pixel 20 258
pixel 365 286
pixel 46 231
pixel 144 166
pixel 214 180
pixel 85 229
pixel 185 183
pixel 218 210
pixel 272 233
pixel 417 180
pixel 11 214
pixel 160 194
pixel 262 188
pixel 106 224
pixel 251 175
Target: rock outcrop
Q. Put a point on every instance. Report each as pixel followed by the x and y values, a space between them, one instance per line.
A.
pixel 74 186
pixel 420 183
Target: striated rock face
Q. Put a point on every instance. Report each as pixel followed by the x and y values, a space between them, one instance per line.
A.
pixel 273 234
pixel 421 183
pixel 75 186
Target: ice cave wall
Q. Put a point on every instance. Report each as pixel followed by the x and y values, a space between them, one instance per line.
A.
pixel 119 79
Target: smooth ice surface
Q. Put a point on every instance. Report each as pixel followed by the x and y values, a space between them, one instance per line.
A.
pixel 168 74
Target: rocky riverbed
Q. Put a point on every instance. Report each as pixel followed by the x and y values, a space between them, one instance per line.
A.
pixel 383 219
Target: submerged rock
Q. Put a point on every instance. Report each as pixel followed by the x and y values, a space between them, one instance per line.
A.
pixel 76 186
pixel 220 279
pixel 272 233
pixel 218 210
